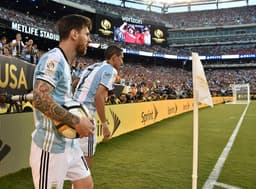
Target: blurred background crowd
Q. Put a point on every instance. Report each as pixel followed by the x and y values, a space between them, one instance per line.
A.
pixel 146 79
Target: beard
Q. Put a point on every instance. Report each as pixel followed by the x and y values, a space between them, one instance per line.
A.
pixel 81 48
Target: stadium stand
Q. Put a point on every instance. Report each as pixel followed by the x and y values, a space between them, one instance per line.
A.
pixel 181 42
pixel 214 32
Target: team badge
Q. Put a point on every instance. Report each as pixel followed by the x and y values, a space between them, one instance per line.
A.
pixel 50 65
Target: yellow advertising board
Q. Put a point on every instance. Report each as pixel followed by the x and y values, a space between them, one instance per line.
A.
pixel 16 129
pixel 124 118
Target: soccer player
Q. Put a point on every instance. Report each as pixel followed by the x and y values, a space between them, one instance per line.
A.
pixel 92 89
pixel 54 158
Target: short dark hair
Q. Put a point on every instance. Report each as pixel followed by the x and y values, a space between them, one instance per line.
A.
pixel 111 50
pixel 72 21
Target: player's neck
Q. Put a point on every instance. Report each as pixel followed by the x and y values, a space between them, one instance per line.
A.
pixel 67 52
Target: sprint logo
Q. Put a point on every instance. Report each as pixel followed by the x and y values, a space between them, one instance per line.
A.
pixel 172 109
pixel 116 121
pixel 149 115
pixel 4 150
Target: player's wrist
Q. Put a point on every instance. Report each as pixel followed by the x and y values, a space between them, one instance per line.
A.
pixel 75 121
pixel 105 123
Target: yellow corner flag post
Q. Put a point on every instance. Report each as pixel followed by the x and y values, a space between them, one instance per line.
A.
pixel 201 94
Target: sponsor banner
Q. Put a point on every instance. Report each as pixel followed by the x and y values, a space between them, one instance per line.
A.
pixel 183 57
pixel 247 55
pixel 15 139
pixel 131 19
pixel 31 30
pixel 213 57
pixel 35 31
pixel 15 76
pixel 124 118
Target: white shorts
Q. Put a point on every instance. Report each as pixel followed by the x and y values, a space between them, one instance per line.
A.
pixel 49 170
pixel 88 144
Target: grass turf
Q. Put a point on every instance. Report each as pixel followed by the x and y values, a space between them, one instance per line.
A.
pixel 240 167
pixel 160 156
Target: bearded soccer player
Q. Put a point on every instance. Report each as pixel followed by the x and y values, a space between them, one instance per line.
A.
pixel 54 158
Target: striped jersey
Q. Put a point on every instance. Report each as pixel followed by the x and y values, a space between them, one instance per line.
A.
pixel 54 69
pixel 101 73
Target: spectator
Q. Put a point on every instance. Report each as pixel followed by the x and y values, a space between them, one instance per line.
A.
pixel 29 51
pixel 17 45
pixel 2 45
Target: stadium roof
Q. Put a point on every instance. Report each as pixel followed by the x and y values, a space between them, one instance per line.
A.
pixel 169 6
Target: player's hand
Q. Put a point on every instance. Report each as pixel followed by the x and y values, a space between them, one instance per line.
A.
pixel 106 132
pixel 84 127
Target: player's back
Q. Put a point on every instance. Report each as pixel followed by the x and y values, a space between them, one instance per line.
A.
pixel 94 75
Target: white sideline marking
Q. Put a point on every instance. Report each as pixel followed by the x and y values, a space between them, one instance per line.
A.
pixel 211 181
pixel 226 186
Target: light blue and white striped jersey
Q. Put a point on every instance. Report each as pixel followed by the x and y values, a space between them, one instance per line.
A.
pixel 54 69
pixel 94 75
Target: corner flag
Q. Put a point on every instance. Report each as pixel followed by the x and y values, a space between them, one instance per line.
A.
pixel 204 95
pixel 201 94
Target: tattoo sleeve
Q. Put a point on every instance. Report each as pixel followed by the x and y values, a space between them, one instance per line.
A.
pixel 43 101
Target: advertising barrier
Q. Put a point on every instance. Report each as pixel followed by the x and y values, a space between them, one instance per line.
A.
pixel 124 118
pixel 16 129
pixel 15 139
pixel 15 76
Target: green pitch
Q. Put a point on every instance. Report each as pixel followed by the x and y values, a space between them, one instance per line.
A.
pixel 160 156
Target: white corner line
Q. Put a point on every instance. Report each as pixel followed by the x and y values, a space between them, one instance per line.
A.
pixel 212 179
pixel 227 186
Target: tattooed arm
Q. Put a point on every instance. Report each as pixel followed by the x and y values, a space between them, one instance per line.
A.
pixel 42 101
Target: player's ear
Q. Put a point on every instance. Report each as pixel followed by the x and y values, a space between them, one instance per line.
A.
pixel 74 34
pixel 117 56
pixel 113 57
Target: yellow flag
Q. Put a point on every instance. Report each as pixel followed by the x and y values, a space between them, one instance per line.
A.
pixel 201 84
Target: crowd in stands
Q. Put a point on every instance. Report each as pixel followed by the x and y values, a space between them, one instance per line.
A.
pixel 27 50
pixel 146 82
pixel 249 17
pixel 27 19
pixel 231 16
pixel 195 19
pixel 217 50
pixel 219 17
pixel 184 51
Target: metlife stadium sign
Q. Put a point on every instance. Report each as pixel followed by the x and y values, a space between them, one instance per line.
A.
pixel 35 31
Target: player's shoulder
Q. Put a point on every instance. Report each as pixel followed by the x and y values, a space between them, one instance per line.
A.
pixel 54 54
pixel 109 68
pixel 106 65
pixel 51 58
